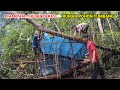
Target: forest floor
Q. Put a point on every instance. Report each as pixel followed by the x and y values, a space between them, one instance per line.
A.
pixel 86 75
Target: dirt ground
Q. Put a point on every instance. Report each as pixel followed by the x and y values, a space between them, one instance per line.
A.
pixel 86 75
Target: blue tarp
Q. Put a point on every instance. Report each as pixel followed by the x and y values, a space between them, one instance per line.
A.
pixel 64 48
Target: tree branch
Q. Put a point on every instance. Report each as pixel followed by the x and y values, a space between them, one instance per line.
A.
pixel 52 20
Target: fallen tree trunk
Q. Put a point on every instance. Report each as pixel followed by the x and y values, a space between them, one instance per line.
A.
pixel 68 37
pixel 40 27
pixel 34 23
pixel 52 32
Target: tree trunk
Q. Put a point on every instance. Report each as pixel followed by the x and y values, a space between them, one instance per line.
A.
pixel 100 24
pixel 93 30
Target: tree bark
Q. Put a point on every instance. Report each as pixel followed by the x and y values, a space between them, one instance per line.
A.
pixel 100 24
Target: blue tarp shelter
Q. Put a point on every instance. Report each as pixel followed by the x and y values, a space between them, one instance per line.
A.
pixel 65 49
